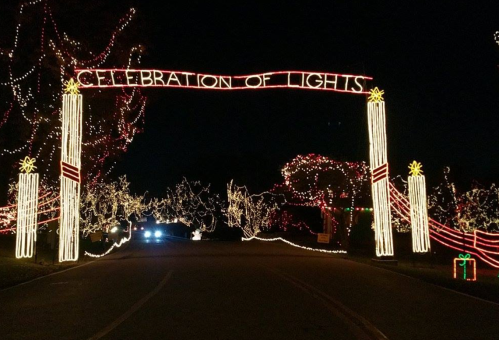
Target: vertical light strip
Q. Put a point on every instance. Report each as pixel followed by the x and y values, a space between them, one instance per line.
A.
pixel 379 171
pixel 70 185
pixel 27 212
pixel 419 214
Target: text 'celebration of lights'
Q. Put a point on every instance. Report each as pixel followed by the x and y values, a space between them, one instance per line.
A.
pixel 119 78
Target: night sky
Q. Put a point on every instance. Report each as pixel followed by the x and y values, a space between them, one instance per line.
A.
pixel 436 60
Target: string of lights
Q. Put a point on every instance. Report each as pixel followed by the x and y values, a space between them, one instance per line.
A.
pixel 248 212
pixel 190 203
pixel 294 245
pixel 115 245
pixel 452 238
pixel 35 80
pixel 333 186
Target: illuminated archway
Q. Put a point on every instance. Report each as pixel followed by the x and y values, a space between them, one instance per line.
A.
pixel 125 78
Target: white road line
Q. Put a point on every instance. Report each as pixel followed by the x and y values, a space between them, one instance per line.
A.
pixel 132 310
pixel 359 326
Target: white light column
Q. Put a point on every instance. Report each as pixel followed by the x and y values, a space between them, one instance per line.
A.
pixel 27 213
pixel 379 174
pixel 70 177
pixel 419 210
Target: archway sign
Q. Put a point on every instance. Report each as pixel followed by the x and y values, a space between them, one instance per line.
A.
pixel 123 78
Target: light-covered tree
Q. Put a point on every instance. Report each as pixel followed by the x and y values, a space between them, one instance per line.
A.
pixel 189 203
pixel 249 212
pixel 318 181
pixel 104 205
pixel 477 208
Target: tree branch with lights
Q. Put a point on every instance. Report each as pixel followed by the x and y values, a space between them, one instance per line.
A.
pixel 249 212
pixel 189 203
pixel 105 205
pixel 318 181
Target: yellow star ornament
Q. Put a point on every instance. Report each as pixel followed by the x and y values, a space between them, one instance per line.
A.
pixel 27 164
pixel 376 95
pixel 71 87
pixel 415 169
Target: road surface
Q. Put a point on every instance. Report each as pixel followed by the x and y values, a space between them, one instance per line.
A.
pixel 179 289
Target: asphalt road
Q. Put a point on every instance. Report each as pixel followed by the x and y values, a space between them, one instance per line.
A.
pixel 233 290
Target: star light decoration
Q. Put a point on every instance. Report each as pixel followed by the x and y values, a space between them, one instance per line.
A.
pixel 71 86
pixel 415 169
pixel 376 95
pixel 27 164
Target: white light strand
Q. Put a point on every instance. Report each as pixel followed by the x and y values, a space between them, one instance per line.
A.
pixel 27 212
pixel 115 245
pixel 419 214
pixel 70 188
pixel 105 205
pixel 379 187
pixel 190 203
pixel 294 245
pixel 248 212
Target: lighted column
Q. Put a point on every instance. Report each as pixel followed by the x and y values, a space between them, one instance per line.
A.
pixel 379 173
pixel 419 209
pixel 70 173
pixel 27 210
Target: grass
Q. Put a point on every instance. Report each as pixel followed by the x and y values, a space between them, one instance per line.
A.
pixel 485 287
pixel 14 271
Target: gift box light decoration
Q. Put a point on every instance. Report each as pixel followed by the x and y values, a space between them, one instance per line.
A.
pixel 70 173
pixel 465 260
pixel 419 209
pixel 379 173
pixel 27 209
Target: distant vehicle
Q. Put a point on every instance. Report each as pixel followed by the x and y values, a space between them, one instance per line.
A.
pixel 152 233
